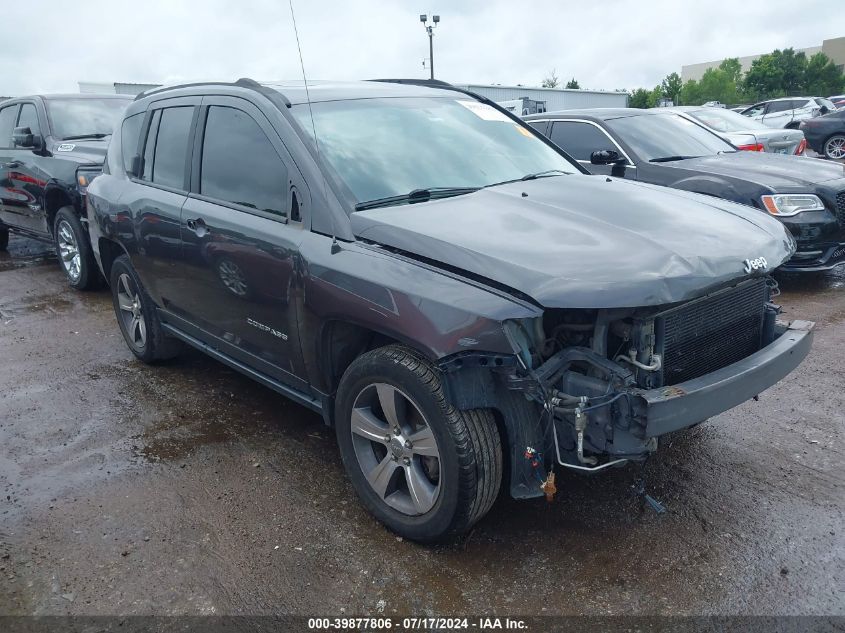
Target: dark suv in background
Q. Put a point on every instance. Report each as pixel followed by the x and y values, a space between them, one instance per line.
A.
pixel 51 148
pixel 446 287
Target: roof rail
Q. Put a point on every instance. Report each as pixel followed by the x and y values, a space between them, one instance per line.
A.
pixel 243 82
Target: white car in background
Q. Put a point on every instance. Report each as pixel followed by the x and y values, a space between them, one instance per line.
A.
pixel 788 112
pixel 744 133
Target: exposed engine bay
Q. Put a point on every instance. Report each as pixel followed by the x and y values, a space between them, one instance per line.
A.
pixel 600 376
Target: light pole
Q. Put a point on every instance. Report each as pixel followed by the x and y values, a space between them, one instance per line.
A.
pixel 430 30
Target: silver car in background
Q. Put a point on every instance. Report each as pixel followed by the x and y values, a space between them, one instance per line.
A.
pixel 744 133
pixel 788 111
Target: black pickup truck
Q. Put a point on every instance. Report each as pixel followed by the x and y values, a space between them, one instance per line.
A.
pixel 51 148
pixel 445 286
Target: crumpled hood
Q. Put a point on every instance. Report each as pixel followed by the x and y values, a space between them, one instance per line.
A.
pixel 777 171
pixel 585 241
pixel 84 150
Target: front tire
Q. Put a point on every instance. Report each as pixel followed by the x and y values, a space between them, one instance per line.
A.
pixel 834 147
pixel 74 250
pixel 423 468
pixel 137 317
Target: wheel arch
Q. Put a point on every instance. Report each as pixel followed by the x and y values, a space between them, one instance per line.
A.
pixel 55 198
pixel 109 250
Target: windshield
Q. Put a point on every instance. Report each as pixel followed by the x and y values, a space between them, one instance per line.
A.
pixel 725 120
pixel 390 147
pixel 84 117
pixel 662 136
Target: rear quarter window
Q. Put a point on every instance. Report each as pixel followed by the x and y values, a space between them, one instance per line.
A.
pixel 130 132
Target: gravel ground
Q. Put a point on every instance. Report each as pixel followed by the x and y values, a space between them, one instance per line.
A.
pixel 188 489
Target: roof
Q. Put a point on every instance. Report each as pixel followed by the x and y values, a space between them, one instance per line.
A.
pixel 294 91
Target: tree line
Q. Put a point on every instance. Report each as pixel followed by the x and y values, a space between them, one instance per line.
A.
pixel 781 73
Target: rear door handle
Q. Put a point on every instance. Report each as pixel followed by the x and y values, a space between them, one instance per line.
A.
pixel 197 225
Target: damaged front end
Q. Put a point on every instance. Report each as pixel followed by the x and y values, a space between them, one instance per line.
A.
pixel 607 383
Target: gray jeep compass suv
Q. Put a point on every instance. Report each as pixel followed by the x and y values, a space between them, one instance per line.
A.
pixel 449 290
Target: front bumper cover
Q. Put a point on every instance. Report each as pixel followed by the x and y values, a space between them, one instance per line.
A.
pixel 683 405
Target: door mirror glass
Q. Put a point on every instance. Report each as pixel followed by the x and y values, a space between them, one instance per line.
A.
pixel 25 139
pixel 606 157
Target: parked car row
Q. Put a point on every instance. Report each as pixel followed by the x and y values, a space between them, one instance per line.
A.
pixel 788 112
pixel 447 284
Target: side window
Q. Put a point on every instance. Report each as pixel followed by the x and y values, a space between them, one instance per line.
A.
pixel 29 118
pixel 755 110
pixel 239 164
pixel 540 126
pixel 779 106
pixel 7 122
pixel 579 140
pixel 129 133
pixel 150 145
pixel 171 148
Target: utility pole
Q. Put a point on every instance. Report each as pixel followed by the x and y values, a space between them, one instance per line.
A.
pixel 430 30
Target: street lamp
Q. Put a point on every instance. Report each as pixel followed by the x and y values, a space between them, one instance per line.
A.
pixel 430 30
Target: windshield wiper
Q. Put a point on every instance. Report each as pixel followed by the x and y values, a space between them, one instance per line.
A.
pixel 669 159
pixel 543 174
pixel 417 195
pixel 81 136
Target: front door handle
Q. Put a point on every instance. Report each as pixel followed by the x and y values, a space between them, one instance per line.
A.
pixel 197 225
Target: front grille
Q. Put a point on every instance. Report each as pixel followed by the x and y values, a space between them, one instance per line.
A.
pixel 840 206
pixel 705 335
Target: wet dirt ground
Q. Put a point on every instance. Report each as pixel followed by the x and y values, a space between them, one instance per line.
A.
pixel 188 489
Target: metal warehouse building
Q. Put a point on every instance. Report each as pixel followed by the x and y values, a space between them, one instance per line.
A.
pixel 555 98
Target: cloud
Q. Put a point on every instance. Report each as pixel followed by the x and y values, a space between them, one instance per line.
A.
pixel 610 44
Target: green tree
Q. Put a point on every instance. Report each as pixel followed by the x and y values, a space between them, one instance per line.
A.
pixel 639 98
pixel 551 81
pixel 777 74
pixel 691 93
pixel 671 86
pixel 822 77
pixel 655 96
pixel 572 84
pixel 717 85
pixel 733 69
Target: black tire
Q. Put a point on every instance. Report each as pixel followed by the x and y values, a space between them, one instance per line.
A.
pixel 155 345
pixel 4 239
pixel 79 266
pixel 470 450
pixel 826 148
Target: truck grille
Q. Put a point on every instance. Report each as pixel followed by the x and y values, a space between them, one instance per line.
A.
pixel 710 333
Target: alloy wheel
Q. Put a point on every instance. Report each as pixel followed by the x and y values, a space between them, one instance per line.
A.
pixel 396 449
pixel 131 312
pixel 835 147
pixel 69 250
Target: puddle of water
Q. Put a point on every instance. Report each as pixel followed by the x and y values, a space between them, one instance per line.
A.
pixel 25 252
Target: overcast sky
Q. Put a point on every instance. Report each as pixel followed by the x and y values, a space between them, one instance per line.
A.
pixel 604 44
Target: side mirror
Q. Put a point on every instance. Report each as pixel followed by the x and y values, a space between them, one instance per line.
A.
pixel 606 157
pixel 137 167
pixel 24 138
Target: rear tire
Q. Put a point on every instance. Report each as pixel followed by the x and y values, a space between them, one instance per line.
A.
pixel 137 317
pixel 74 250
pixel 435 470
pixel 4 239
pixel 834 147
